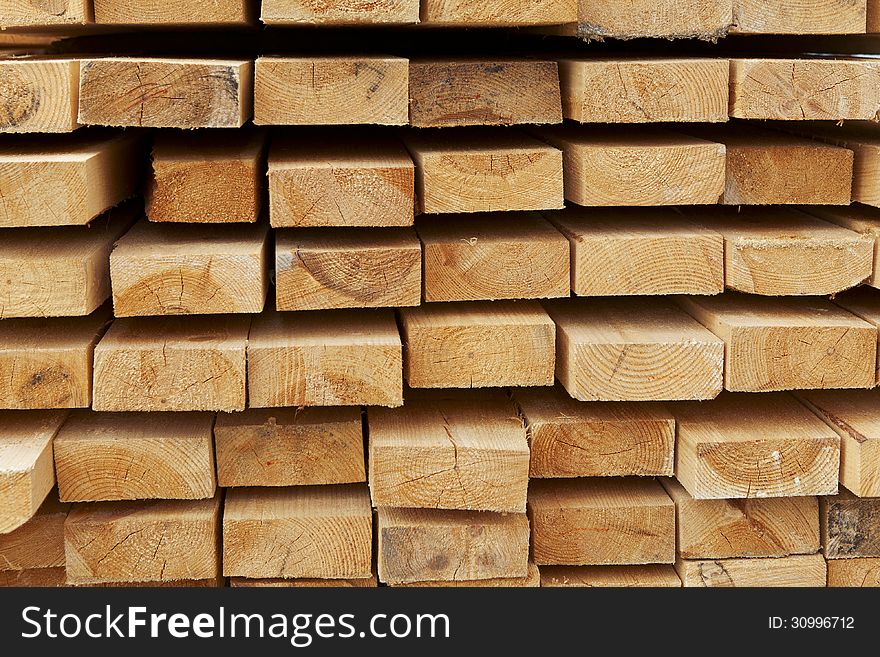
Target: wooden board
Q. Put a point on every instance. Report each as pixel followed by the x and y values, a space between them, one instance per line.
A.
pixel 135 456
pixel 484 170
pixel 491 13
pixel 79 177
pixel 802 17
pixel 331 90
pixel 172 364
pixel 174 12
pixel 156 541
pixel 569 438
pixel 532 580
pixel 622 252
pixel 873 17
pixel 783 252
pixel 429 545
pixel 39 94
pixel 650 576
pixel 34 577
pixel 322 532
pixel 637 165
pixel 849 526
pixel 304 582
pixel 863 302
pixel 704 19
pixel 341 12
pixel 325 358
pixel 855 416
pixel 854 572
pixel 802 570
pixel 201 178
pixel 730 528
pixel 27 473
pixel 15 13
pixel 47 363
pixel 804 89
pixel 861 219
pixel 458 92
pixel 39 542
pixel 764 167
pixel 325 268
pixel 493 256
pixel 290 447
pixel 634 350
pixel 788 343
pixel 744 446
pixel 627 90
pixel 324 182
pixel 165 93
pixel 449 454
pixel 601 521
pixel 59 271
pixel 175 269
pixel 478 345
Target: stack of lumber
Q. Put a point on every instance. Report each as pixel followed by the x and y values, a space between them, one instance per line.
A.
pixel 547 313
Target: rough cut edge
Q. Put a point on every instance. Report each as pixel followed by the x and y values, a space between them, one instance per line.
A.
pixel 591 32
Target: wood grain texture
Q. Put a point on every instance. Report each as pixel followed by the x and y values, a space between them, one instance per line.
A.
pixel 623 252
pixel 428 545
pixel 637 165
pixel 135 456
pixel 788 343
pixel 34 577
pixel 744 446
pixel 38 94
pixel 786 252
pixel 326 268
pixel 39 542
pixel 801 17
pixel 493 256
pixel 634 350
pixel 174 269
pixel 303 531
pixel 290 447
pixel 174 12
pixel 764 167
pixel 460 92
pixel 155 541
pixel 601 521
pixel 650 576
pixel 724 529
pixel 850 573
pixel 323 181
pixel 304 582
pixel 873 17
pixel 849 526
pixel 497 13
pixel 855 416
pixel 478 345
pixel 860 219
pixel 331 90
pixel 532 580
pixel 485 170
pixel 804 89
pixel 37 13
pixel 704 19
pixel 172 364
pixel 47 363
pixel 203 178
pixel 629 90
pixel 325 358
pixel 569 438
pixel 802 570
pixel 165 93
pixel 26 470
pixel 449 454
pixel 78 177
pixel 864 302
pixel 340 12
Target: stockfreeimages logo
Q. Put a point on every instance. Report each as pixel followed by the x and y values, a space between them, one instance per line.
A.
pixel 300 629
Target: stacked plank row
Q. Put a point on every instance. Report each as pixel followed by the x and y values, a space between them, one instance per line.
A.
pixel 435 349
